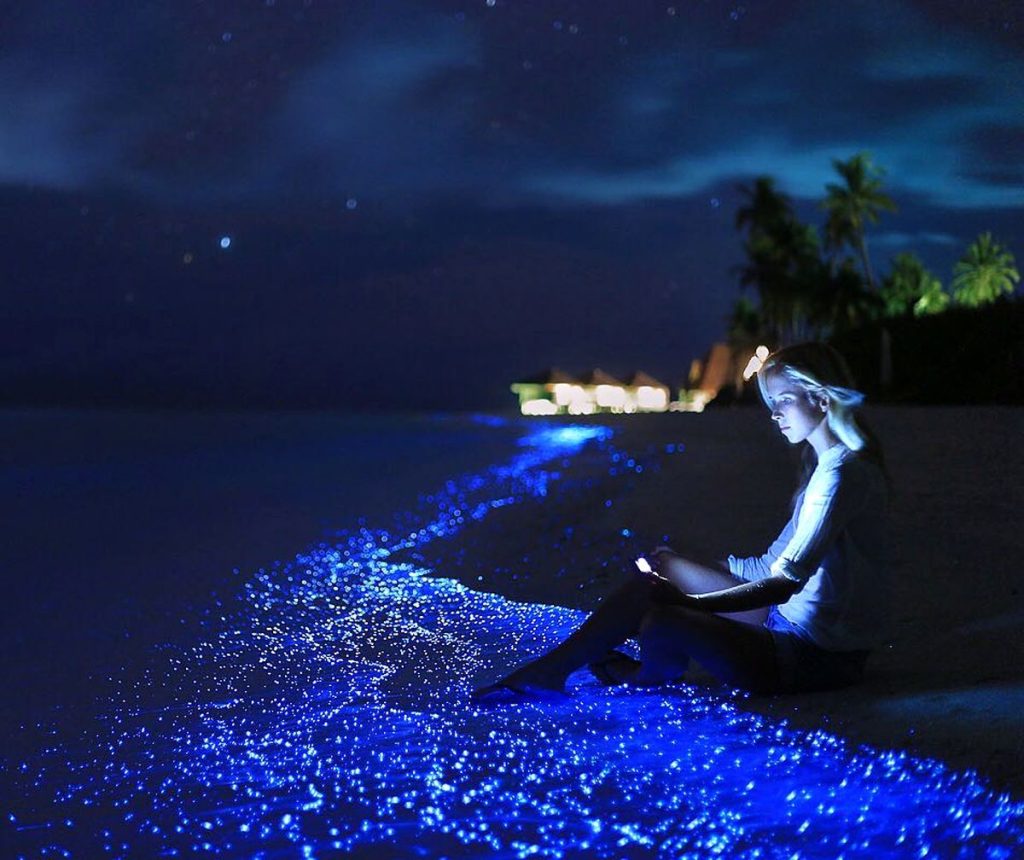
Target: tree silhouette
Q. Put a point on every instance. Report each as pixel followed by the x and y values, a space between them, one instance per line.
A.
pixel 985 272
pixel 841 302
pixel 911 288
pixel 783 259
pixel 766 206
pixel 745 326
pixel 859 200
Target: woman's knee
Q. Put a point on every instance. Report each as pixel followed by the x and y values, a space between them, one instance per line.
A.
pixel 634 589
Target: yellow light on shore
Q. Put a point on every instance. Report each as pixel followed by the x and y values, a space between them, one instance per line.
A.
pixel 581 407
pixel 567 395
pixel 539 407
pixel 651 398
pixel 610 397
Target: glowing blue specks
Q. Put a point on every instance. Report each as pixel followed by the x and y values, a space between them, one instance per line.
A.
pixel 326 714
pixel 225 242
pixel 564 439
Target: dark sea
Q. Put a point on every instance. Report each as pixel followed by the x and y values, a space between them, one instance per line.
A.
pixel 118 526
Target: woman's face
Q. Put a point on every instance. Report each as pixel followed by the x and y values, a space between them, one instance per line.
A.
pixel 792 409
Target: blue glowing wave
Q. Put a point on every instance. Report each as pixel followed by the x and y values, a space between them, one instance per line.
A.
pixel 328 714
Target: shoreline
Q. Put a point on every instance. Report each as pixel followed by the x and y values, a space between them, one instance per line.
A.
pixel 310 698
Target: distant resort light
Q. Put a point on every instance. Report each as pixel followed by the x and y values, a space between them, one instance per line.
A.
pixel 538 407
pixel 555 392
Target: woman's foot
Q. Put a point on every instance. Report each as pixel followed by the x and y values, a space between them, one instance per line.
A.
pixel 504 693
pixel 614 668
pixel 527 682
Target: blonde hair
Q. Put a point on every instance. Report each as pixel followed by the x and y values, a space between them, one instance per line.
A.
pixel 820 371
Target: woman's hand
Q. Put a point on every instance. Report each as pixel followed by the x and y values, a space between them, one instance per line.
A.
pixel 659 555
pixel 647 572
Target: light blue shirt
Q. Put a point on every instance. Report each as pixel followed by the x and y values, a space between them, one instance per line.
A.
pixel 836 546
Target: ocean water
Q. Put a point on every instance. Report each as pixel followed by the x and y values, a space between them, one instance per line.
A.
pixel 118 527
pixel 321 710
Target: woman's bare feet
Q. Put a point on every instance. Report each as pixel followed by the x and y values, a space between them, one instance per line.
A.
pixel 532 680
pixel 614 668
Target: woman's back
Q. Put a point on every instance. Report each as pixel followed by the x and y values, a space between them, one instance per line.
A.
pixel 839 549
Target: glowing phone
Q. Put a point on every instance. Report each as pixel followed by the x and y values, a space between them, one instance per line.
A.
pixel 644 566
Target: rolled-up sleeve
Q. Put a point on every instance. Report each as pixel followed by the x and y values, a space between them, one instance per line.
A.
pixel 755 567
pixel 833 497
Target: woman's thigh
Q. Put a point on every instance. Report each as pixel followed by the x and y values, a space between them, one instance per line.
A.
pixel 694 578
pixel 738 653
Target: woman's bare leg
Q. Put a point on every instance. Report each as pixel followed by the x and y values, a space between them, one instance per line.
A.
pixel 742 655
pixel 612 623
pixel 619 617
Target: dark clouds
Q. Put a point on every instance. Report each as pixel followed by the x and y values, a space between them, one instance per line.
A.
pixel 504 102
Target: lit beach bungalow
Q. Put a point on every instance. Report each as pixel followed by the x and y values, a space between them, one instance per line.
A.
pixel 725 370
pixel 550 393
pixel 555 392
pixel 648 393
pixel 605 392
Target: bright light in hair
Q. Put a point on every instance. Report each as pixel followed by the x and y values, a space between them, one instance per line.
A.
pixel 756 362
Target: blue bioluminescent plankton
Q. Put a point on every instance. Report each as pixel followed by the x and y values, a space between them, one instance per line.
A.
pixel 327 714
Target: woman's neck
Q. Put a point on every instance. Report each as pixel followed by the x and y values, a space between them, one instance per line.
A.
pixel 822 438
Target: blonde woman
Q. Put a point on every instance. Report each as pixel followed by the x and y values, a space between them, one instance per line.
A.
pixel 802 616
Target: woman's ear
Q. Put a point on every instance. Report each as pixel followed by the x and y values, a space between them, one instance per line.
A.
pixel 823 402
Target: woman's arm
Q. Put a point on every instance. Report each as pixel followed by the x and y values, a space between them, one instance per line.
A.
pixel 714 591
pixel 770 591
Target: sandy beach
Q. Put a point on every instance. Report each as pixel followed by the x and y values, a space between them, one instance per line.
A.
pixel 227 700
pixel 950 684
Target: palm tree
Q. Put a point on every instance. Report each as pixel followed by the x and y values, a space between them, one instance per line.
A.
pixel 859 200
pixel 766 206
pixel 842 303
pixel 909 286
pixel 745 325
pixel 984 273
pixel 782 253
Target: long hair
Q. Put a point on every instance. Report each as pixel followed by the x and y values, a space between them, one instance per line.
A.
pixel 820 371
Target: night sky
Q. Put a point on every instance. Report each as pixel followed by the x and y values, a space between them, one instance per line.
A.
pixel 303 203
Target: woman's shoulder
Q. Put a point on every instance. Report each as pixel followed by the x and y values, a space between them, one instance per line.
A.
pixel 863 477
pixel 840 464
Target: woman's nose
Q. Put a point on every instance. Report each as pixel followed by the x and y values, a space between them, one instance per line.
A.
pixel 776 415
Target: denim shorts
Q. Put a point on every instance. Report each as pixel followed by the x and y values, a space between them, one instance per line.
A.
pixel 803 666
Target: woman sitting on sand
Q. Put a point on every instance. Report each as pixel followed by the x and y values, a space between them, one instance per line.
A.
pixel 801 617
